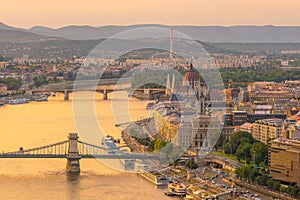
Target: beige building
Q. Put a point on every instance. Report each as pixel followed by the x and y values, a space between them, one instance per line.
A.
pixel 2 65
pixel 247 127
pixel 284 160
pixel 3 89
pixel 185 129
pixel 266 129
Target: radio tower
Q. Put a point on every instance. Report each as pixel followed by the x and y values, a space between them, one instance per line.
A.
pixel 171 43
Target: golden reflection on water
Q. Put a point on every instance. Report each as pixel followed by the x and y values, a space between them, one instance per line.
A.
pixel 41 123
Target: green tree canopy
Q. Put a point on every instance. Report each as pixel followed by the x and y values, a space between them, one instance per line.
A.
pixel 237 139
pixel 243 152
pixel 259 153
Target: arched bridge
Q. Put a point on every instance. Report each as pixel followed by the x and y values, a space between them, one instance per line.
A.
pixel 103 86
pixel 225 163
pixel 73 150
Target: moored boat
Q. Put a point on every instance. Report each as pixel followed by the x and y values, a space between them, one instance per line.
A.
pixel 41 98
pixel 153 176
pixel 109 144
pixel 150 106
pixel 18 101
pixel 176 188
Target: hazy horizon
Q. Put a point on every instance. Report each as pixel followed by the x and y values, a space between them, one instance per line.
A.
pixel 174 25
pixel 56 14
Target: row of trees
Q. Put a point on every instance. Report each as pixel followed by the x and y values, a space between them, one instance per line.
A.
pixel 253 175
pixel 243 145
pixel 259 74
pixel 12 84
pixel 253 152
pixel 154 145
pixel 38 81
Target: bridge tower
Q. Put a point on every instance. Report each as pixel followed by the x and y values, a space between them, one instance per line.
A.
pixel 73 156
pixel 66 98
pixel 104 94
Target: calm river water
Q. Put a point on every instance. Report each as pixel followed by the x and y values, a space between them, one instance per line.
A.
pixel 41 123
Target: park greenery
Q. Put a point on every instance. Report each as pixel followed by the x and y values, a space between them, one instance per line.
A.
pixel 153 145
pixel 266 72
pixel 245 148
pixel 39 81
pixel 254 175
pixel 240 76
pixel 12 83
pixel 254 155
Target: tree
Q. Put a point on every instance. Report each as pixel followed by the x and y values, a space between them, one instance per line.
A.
pixel 276 186
pixel 259 153
pixel 159 144
pixel 262 180
pixel 243 152
pixel 293 190
pixel 12 84
pixel 238 138
pixel 270 183
pixel 191 164
pixel 221 141
pixel 248 172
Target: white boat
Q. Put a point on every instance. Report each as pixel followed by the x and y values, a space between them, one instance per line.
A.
pixel 42 98
pixel 177 189
pixel 150 106
pixel 109 144
pixel 153 176
pixel 13 102
pixel 18 101
pixel 193 192
pixel 25 100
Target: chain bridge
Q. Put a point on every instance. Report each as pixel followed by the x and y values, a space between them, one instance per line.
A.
pixel 74 150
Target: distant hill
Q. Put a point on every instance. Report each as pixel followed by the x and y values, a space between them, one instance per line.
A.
pixel 219 34
pixel 17 35
pixel 211 34
pixel 6 27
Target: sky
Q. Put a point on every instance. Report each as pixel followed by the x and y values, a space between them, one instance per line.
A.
pixel 59 13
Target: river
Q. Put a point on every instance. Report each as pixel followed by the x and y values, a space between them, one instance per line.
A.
pixel 41 123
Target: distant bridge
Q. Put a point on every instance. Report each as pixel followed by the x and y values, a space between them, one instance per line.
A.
pixel 103 86
pixel 73 150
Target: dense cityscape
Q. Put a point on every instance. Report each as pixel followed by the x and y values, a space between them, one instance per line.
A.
pixel 190 101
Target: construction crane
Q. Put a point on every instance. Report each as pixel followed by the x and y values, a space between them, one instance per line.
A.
pixel 228 94
pixel 229 88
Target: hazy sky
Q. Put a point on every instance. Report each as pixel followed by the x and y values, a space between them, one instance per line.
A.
pixel 58 13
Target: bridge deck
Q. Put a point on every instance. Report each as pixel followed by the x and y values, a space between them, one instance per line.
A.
pixel 100 156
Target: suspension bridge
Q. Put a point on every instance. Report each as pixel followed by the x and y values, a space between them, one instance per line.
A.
pixel 74 150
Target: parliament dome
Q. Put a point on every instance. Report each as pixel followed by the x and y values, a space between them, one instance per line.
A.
pixel 191 76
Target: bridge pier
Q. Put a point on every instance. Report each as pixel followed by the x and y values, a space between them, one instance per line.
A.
pixel 73 157
pixel 104 95
pixel 66 98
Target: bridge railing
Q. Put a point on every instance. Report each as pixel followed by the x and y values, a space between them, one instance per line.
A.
pixel 85 150
pixel 59 148
pixel 90 149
